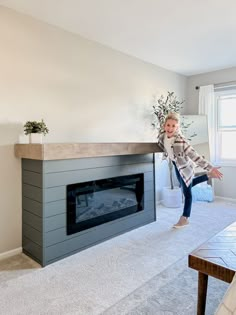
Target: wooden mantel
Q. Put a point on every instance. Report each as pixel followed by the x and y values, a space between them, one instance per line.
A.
pixel 59 151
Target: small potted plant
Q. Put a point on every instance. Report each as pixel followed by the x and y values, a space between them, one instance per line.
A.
pixel 35 130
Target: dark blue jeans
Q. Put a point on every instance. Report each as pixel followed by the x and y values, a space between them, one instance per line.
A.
pixel 187 191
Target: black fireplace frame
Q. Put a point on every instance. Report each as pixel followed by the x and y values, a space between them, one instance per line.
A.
pixel 91 187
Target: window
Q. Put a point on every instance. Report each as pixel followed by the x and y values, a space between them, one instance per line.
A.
pixel 225 134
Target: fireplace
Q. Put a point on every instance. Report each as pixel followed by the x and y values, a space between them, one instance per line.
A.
pixel 93 203
pixel 57 193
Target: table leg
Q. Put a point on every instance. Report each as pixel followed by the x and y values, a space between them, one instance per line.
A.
pixel 202 293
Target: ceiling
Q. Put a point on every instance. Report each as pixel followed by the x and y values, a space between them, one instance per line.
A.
pixel 185 36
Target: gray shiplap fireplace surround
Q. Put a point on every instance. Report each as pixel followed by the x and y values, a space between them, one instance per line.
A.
pixel 47 170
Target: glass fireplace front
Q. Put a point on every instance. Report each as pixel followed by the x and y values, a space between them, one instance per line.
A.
pixel 96 202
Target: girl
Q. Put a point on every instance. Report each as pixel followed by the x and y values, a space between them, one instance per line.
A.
pixel 184 158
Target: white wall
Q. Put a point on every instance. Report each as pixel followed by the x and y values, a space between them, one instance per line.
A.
pixel 215 77
pixel 84 91
pixel 226 187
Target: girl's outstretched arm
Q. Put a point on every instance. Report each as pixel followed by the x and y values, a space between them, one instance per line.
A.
pixel 215 173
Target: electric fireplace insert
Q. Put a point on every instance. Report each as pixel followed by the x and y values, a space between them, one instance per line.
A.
pixel 96 202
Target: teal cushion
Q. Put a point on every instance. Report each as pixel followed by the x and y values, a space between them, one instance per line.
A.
pixel 202 193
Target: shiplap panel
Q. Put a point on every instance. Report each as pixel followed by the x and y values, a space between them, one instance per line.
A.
pixel 32 192
pixel 55 222
pixel 59 221
pixel 32 165
pixel 32 220
pixel 87 163
pixel 54 194
pixel 86 240
pixel 80 176
pixel 32 178
pixel 55 207
pixel 44 208
pixel 59 235
pixel 32 206
pixel 33 250
pixel 33 234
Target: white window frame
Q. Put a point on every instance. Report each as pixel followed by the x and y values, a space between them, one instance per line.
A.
pixel 219 94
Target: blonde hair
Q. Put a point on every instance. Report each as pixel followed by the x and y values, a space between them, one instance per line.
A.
pixel 173 116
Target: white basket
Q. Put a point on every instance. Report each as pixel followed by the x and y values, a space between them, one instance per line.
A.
pixel 172 198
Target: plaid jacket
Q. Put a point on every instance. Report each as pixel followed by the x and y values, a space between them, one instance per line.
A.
pixel 185 157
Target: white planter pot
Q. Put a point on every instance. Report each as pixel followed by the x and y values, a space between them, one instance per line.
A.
pixel 35 138
pixel 172 198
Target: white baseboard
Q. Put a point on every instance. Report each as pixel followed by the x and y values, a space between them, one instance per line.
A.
pixel 226 199
pixel 159 202
pixel 10 253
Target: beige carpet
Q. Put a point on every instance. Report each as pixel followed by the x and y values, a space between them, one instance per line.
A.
pixel 103 278
pixel 171 292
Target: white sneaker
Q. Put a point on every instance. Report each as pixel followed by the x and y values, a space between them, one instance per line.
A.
pixel 183 221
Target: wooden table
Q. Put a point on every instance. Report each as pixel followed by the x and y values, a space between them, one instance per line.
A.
pixel 216 258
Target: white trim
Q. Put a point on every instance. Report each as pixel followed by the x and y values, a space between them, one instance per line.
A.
pixel 225 88
pixel 10 253
pixel 225 84
pixel 223 94
pixel 225 163
pixel 226 199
